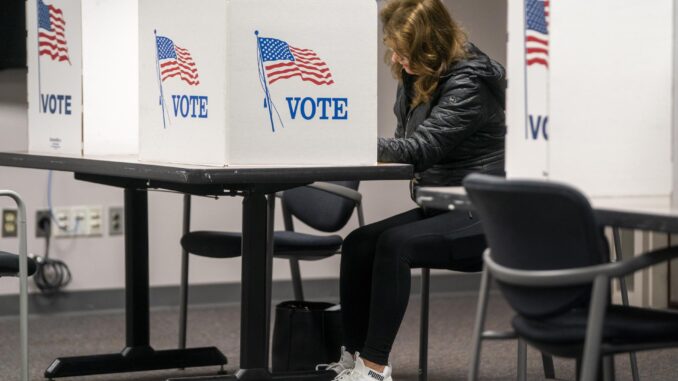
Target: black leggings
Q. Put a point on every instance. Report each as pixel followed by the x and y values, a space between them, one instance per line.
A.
pixel 375 271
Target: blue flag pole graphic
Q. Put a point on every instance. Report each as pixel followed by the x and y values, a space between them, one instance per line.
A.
pixel 157 67
pixel 262 78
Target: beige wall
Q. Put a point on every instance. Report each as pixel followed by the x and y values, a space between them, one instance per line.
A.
pixel 97 263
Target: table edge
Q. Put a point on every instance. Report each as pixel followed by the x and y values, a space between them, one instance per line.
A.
pixel 206 176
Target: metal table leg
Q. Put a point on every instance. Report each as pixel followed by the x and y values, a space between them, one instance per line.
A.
pixel 138 355
pixel 255 303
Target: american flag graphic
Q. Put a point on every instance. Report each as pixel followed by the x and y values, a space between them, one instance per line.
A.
pixel 289 62
pixel 174 61
pixel 537 32
pixel 51 32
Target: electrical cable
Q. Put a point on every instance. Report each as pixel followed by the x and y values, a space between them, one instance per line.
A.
pixel 49 202
pixel 51 275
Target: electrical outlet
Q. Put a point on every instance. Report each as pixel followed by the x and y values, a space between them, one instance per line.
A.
pixel 94 219
pixel 43 223
pixel 115 220
pixel 9 223
pixel 64 227
pixel 79 221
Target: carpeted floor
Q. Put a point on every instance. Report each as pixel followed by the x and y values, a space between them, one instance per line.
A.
pixel 450 333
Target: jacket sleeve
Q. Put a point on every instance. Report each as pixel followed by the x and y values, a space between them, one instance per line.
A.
pixel 400 129
pixel 457 115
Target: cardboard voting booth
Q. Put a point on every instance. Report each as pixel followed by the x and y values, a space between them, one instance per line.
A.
pixel 250 82
pixel 590 97
pixel 82 76
pixel 54 54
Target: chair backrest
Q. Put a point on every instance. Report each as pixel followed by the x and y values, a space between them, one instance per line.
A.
pixel 537 225
pixel 319 209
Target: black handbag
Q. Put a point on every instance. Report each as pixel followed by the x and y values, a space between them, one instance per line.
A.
pixel 306 334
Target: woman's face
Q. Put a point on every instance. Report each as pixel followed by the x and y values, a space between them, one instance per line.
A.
pixel 404 62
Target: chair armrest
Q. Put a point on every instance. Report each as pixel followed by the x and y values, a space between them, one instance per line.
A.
pixel 338 190
pixel 579 275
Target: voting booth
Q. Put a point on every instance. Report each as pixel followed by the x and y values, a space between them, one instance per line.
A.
pixel 82 76
pixel 591 98
pixel 249 82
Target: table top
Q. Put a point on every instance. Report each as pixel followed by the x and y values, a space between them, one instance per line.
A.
pixel 654 213
pixel 129 166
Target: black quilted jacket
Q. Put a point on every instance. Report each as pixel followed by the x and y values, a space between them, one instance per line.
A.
pixel 461 130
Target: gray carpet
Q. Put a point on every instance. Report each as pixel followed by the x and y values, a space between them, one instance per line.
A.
pixel 451 326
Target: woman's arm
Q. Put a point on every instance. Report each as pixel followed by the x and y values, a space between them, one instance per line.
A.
pixel 457 115
pixel 400 129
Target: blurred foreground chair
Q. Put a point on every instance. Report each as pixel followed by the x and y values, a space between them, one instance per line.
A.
pixel 19 266
pixel 547 361
pixel 550 260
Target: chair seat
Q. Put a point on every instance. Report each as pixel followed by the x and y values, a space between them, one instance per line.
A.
pixel 9 264
pixel 286 244
pixel 624 326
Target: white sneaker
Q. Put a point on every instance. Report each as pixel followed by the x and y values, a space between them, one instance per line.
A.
pixel 345 362
pixel 362 373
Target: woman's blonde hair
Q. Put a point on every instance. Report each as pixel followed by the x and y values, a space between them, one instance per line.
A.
pixel 423 32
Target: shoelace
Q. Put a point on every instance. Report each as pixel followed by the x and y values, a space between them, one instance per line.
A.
pixel 345 375
pixel 335 366
pixel 330 366
pixel 324 366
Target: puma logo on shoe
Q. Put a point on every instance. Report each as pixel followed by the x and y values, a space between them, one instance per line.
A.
pixel 375 375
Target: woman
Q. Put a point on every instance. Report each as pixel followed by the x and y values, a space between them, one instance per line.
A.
pixel 450 112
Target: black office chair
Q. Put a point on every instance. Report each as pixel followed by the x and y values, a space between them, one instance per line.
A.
pixel 547 361
pixel 549 257
pixel 326 207
pixel 19 266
